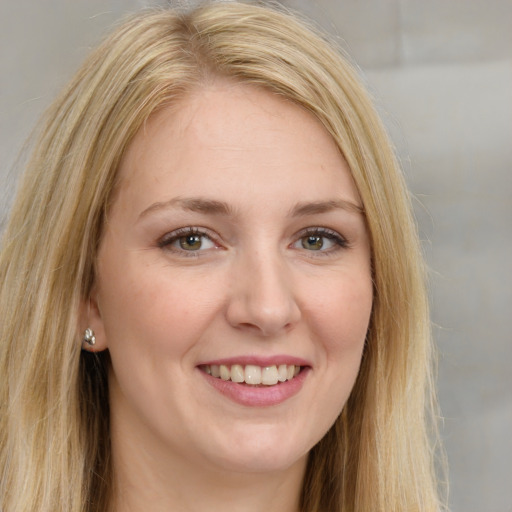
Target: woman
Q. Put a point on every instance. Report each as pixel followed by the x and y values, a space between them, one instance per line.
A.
pixel 212 291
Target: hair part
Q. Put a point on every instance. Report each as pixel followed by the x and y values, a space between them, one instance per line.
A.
pixel 54 429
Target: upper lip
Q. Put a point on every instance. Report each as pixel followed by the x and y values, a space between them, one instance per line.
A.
pixel 262 361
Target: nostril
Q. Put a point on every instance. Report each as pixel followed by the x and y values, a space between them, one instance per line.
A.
pixel 263 300
pixel 264 329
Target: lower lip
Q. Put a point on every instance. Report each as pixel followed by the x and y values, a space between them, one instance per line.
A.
pixel 258 396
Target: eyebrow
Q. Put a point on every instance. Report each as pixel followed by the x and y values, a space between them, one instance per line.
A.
pixel 302 209
pixel 193 204
pixel 211 206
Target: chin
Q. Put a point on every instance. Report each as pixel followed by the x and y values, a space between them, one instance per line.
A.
pixel 260 450
pixel 261 462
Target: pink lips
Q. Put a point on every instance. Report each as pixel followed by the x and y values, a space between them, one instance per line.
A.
pixel 259 361
pixel 258 396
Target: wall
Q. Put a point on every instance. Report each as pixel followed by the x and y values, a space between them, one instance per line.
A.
pixel 441 72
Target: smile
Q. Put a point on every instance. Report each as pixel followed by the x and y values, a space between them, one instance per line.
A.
pixel 252 374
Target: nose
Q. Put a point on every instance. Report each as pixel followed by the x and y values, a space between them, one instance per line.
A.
pixel 262 297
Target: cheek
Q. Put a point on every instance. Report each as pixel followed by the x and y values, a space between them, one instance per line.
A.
pixel 341 325
pixel 339 317
pixel 153 308
pixel 342 314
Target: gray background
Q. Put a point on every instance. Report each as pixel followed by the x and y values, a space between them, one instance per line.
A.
pixel 441 73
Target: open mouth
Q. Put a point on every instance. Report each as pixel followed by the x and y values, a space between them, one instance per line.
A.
pixel 252 374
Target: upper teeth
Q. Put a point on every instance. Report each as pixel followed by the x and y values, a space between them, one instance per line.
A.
pixel 252 374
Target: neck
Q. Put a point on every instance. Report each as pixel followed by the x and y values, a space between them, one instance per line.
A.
pixel 146 478
pixel 141 484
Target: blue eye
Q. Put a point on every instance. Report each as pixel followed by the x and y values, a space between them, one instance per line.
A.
pixel 187 240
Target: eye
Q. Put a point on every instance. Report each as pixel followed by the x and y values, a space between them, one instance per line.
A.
pixel 316 243
pixel 187 240
pixel 320 240
pixel 194 242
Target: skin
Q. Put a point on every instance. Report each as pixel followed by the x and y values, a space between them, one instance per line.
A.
pixel 253 283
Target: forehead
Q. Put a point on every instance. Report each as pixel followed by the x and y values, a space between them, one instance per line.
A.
pixel 232 134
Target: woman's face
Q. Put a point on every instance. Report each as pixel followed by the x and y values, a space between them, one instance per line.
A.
pixel 235 247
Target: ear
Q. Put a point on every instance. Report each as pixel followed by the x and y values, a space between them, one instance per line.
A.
pixel 90 318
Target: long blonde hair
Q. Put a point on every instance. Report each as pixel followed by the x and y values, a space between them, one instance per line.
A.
pixel 54 439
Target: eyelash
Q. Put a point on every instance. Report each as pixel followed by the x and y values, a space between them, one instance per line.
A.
pixel 169 239
pixel 339 241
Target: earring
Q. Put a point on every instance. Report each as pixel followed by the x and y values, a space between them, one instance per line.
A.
pixel 89 337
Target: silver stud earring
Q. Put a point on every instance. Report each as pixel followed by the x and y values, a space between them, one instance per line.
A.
pixel 89 337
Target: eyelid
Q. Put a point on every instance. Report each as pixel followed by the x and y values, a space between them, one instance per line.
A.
pixel 337 238
pixel 166 241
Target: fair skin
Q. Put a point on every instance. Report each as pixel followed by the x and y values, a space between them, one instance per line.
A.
pixel 235 239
